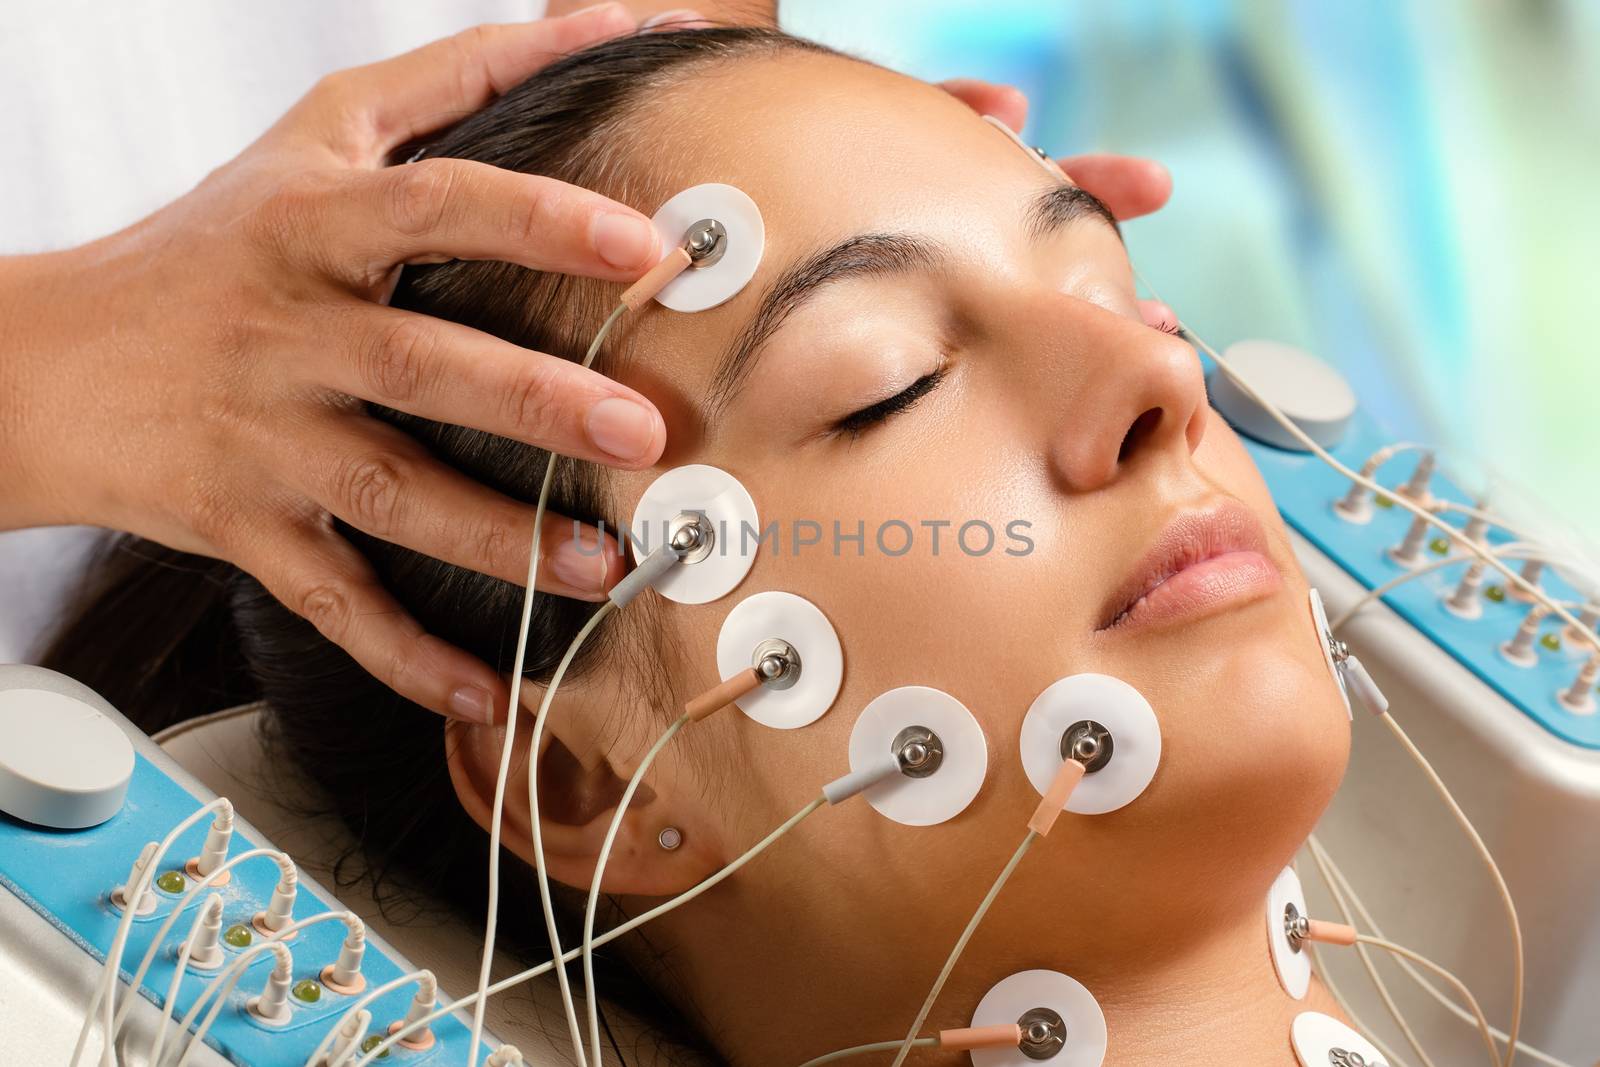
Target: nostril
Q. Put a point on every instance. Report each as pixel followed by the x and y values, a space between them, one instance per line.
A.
pixel 1142 429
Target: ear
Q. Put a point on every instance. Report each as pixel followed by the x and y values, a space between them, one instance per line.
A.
pixel 578 798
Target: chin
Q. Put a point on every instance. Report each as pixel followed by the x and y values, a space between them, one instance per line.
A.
pixel 1255 739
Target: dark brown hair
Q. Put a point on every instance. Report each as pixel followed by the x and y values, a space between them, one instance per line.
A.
pixel 166 636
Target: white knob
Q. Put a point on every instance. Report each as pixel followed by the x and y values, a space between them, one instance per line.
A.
pixel 63 763
pixel 1313 395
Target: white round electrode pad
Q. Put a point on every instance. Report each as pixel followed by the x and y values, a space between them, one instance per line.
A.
pixel 1319 622
pixel 1024 991
pixel 1114 704
pixel 1312 394
pixel 946 792
pixel 1293 967
pixel 699 288
pixel 1319 1039
pixel 735 531
pixel 63 763
pixel 762 617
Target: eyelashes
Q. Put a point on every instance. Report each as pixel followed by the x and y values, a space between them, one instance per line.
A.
pixel 857 423
pixel 1167 326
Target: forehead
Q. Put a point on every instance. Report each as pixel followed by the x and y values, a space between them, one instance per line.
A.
pixel 829 148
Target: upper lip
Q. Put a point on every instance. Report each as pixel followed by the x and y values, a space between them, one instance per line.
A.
pixel 1194 536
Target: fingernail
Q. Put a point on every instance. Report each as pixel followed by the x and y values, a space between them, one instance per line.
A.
pixel 472 702
pixel 580 566
pixel 627 242
pixel 681 14
pixel 621 428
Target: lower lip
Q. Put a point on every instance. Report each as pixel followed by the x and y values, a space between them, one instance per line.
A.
pixel 1205 588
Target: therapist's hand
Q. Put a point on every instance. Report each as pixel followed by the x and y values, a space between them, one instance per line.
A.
pixel 197 379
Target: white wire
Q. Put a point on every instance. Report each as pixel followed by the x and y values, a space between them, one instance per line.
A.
pixel 166 927
pixel 1491 518
pixel 1515 550
pixel 1366 958
pixel 605 938
pixel 237 967
pixel 1460 986
pixel 105 994
pixel 507 743
pixel 1420 979
pixel 1344 1005
pixel 591 994
pixel 1494 872
pixel 230 978
pixel 364 1001
pixel 960 946
pixel 1482 553
pixel 212 903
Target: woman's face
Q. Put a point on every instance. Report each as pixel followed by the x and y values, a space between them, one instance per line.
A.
pixel 949 334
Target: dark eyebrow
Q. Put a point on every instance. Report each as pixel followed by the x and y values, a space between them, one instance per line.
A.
pixel 872 255
pixel 1062 204
pixel 865 255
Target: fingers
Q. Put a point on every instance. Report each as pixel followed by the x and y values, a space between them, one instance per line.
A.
pixel 454 374
pixel 321 577
pixel 383 483
pixel 368 111
pixel 368 221
pixel 1005 102
pixel 1129 186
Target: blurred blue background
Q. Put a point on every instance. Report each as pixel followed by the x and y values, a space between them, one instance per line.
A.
pixel 1411 190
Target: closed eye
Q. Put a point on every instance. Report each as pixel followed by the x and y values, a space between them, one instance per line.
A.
pixel 854 425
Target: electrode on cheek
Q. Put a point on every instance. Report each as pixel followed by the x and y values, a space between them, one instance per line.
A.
pixel 710 522
pixel 1061 1022
pixel 927 751
pixel 721 231
pixel 1101 722
pixel 791 644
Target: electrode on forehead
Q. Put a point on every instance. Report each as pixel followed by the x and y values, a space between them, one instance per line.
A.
pixel 1322 1041
pixel 1038 155
pixel 721 229
pixel 1061 1022
pixel 1105 723
pixel 940 748
pixel 1286 902
pixel 1319 621
pixel 716 551
pixel 788 634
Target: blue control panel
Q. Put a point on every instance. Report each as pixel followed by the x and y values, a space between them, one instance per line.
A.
pixel 68 876
pixel 1306 489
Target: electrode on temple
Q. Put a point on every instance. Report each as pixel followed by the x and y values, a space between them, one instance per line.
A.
pixel 707 521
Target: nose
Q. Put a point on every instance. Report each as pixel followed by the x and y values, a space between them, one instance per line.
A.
pixel 1135 393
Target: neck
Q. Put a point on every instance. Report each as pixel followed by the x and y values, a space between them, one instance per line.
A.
pixel 1214 994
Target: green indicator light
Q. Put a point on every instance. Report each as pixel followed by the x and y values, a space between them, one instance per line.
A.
pixel 1551 641
pixel 1495 593
pixel 372 1041
pixel 308 990
pixel 1439 546
pixel 1383 501
pixel 171 882
pixel 238 935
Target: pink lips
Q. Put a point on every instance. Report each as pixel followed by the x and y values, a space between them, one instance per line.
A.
pixel 1205 560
